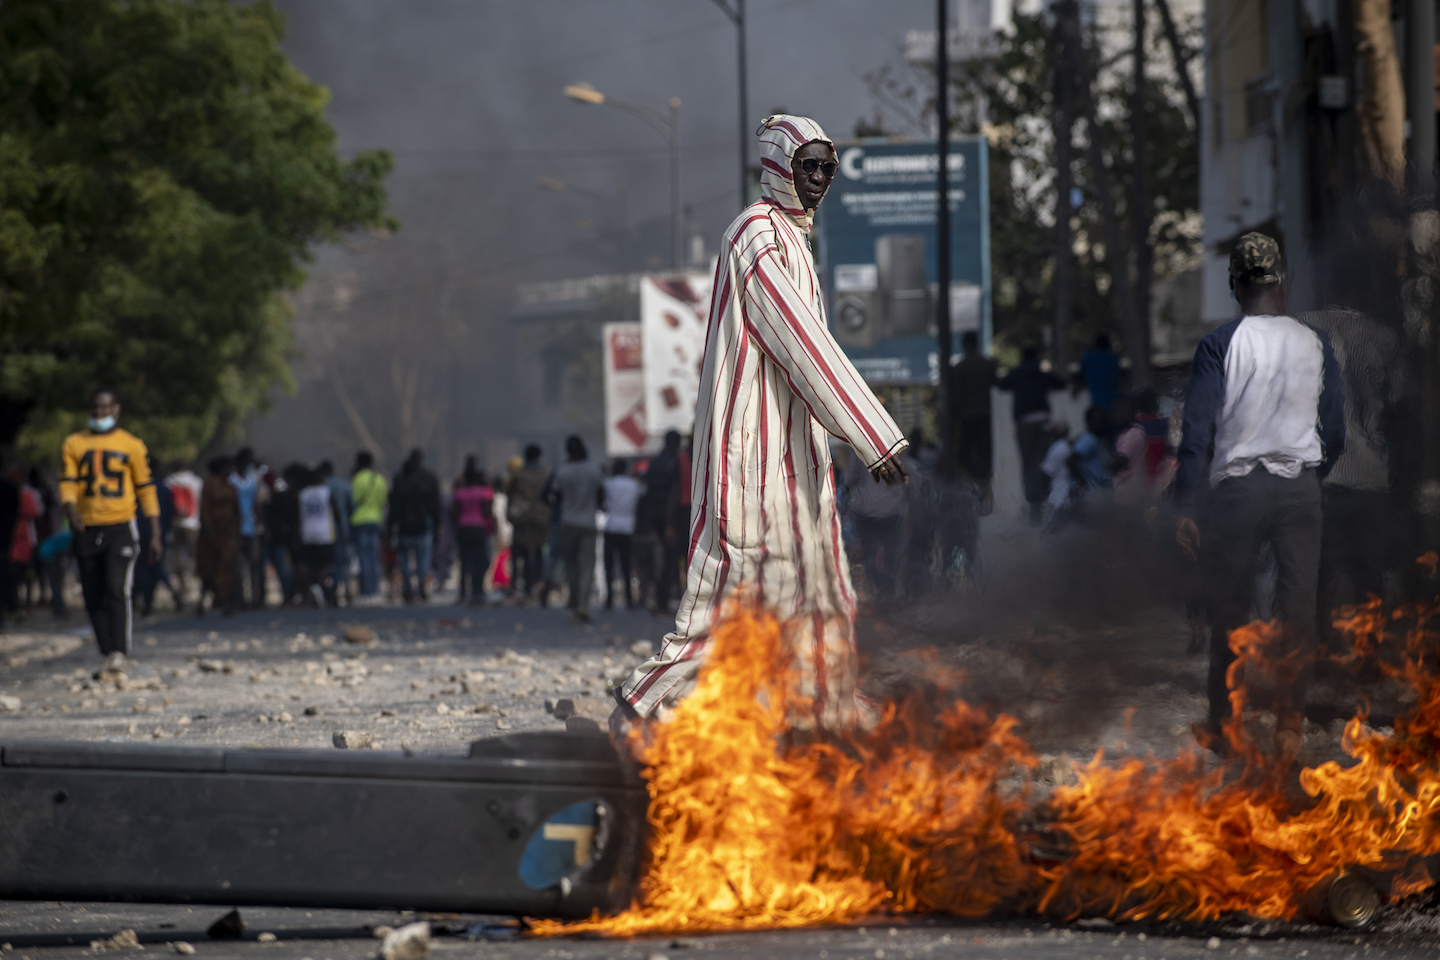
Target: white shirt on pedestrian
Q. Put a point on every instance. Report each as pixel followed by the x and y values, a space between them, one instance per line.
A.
pixel 622 495
pixel 317 522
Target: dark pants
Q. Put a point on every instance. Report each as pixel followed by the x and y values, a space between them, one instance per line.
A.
pixel 55 575
pixel 412 551
pixel 525 565
pixel 1034 440
pixel 106 557
pixel 315 566
pixel 618 554
pixel 880 550
pixel 474 549
pixel 250 570
pixel 149 576
pixel 1243 513
pixel 277 555
pixel 673 549
pixel 1353 545
pixel 577 553
pixel 975 448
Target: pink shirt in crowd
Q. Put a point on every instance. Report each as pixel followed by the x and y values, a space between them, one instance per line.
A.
pixel 470 507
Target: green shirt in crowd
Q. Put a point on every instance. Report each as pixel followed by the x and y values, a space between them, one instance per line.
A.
pixel 369 491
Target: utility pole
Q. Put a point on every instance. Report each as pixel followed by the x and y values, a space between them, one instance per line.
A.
pixel 942 230
pixel 737 17
pixel 1141 206
pixel 1063 126
pixel 1420 96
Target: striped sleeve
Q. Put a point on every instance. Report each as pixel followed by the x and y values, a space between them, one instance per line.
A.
pixel 784 323
pixel 144 483
pixel 69 472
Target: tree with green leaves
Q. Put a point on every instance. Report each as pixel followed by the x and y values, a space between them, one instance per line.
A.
pixel 164 172
pixel 1010 96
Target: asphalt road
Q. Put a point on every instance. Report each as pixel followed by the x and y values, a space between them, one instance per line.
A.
pixel 432 679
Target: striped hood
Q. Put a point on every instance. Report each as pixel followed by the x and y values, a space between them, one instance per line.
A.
pixel 780 136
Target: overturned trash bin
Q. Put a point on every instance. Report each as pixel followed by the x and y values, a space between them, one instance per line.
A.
pixel 535 824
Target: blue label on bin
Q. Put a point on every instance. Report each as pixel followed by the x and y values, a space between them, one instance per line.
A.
pixel 562 844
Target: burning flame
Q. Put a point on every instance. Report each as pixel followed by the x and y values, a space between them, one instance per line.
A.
pixel 747 834
pixel 754 825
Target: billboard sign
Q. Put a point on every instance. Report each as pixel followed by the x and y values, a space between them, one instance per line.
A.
pixel 877 254
pixel 626 434
pixel 674 313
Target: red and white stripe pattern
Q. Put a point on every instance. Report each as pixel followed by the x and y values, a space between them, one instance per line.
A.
pixel 773 387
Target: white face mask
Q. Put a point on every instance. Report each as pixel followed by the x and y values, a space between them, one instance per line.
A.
pixel 102 424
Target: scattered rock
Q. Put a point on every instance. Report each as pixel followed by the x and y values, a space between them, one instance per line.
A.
pixel 1056 770
pixel 315 711
pixel 183 948
pixel 642 648
pixel 381 932
pixel 501 725
pixel 286 718
pixel 228 927
pixel 1213 943
pixel 1095 923
pixel 9 704
pixel 685 943
pixel 124 940
pixel 444 708
pixel 267 937
pixel 484 708
pixel 410 942
pixel 563 710
pixel 214 666
pixel 359 634
pixel 352 740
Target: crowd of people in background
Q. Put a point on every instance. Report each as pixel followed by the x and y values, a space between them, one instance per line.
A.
pixel 250 534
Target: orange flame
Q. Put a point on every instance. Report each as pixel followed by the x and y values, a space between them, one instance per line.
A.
pixel 746 834
pixel 751 828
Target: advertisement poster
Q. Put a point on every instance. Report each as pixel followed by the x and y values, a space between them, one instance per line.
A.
pixel 674 313
pixel 626 434
pixel 877 254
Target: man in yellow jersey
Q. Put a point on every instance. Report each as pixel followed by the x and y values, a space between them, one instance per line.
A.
pixel 104 472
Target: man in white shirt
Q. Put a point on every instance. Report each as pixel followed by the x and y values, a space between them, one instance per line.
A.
pixel 622 495
pixel 1265 393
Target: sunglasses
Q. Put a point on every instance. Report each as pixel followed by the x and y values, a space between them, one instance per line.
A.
pixel 809 165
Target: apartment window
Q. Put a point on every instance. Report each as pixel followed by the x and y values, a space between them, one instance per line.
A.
pixel 1259 105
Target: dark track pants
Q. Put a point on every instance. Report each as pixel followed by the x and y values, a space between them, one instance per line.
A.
pixel 1243 513
pixel 106 558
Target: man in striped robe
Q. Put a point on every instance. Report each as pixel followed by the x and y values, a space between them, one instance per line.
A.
pixel 773 389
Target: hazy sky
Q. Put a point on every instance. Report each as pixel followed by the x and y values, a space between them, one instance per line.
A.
pixel 466 93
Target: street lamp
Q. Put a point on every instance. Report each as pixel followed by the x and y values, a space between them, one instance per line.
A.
pixel 616 200
pixel 669 127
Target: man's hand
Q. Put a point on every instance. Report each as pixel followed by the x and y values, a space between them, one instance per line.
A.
pixel 1187 534
pixel 76 524
pixel 157 545
pixel 890 471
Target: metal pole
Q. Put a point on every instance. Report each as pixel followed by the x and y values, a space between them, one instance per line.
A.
pixel 745 133
pixel 1140 219
pixel 942 227
pixel 1064 125
pixel 676 254
pixel 1420 93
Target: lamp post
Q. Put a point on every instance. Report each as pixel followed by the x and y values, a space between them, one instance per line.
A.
pixel 669 127
pixel 615 200
pixel 737 17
